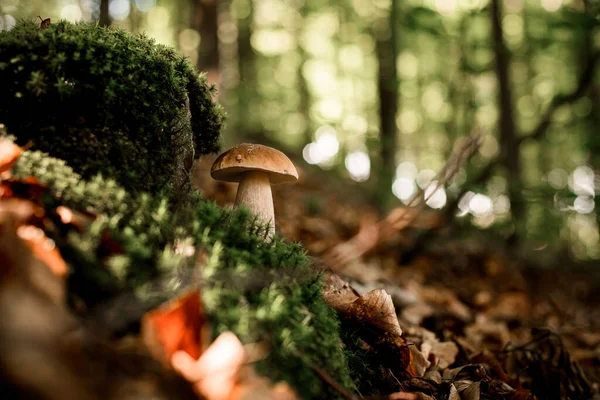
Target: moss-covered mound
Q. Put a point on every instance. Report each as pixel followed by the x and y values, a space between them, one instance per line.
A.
pixel 258 289
pixel 105 101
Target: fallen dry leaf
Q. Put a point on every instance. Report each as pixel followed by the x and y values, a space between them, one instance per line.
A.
pixel 418 362
pixel 178 325
pixel 9 154
pixel 45 22
pixel 441 354
pixel 377 309
pixel 374 315
pixel 214 374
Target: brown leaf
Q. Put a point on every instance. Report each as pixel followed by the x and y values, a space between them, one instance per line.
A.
pixel 377 309
pixel 178 325
pixel 418 363
pixel 453 393
pixel 338 293
pixel 374 315
pixel 444 353
pixel 9 154
pixel 471 392
pixel 45 22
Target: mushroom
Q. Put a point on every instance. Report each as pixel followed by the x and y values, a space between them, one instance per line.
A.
pixel 255 167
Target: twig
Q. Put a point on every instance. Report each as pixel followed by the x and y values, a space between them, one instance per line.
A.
pixel 370 236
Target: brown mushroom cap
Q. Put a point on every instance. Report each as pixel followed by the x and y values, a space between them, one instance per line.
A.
pixel 231 165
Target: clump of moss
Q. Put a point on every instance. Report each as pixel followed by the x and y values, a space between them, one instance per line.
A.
pixel 105 101
pixel 106 113
pixel 255 288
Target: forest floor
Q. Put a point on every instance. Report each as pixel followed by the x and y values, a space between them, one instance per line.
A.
pixel 454 318
pixel 463 302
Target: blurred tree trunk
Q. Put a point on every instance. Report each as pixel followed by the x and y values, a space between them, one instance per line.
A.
pixel 387 81
pixel 304 100
pixel 509 143
pixel 104 19
pixel 204 20
pixel 246 64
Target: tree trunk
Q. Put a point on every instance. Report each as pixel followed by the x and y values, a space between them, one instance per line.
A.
pixel 387 53
pixel 509 143
pixel 204 19
pixel 246 62
pixel 104 19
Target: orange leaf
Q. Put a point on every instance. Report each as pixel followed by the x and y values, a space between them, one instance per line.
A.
pixel 9 154
pixel 215 373
pixel 43 248
pixel 176 325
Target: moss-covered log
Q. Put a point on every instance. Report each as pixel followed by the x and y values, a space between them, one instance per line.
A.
pixel 106 101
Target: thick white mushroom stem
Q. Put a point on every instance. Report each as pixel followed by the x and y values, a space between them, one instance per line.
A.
pixel 254 193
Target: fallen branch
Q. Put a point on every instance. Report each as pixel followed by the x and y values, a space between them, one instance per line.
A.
pixel 372 235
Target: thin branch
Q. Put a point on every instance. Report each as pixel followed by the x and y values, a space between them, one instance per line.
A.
pixel 372 235
pixel 585 80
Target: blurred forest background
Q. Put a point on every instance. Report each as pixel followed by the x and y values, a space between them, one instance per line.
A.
pixel 380 92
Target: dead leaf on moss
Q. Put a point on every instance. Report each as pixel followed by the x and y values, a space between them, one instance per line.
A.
pixel 45 22
pixel 178 325
pixel 215 373
pixel 9 154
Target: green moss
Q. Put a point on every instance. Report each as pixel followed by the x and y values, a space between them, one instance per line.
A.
pixel 105 101
pixel 258 289
pixel 111 105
